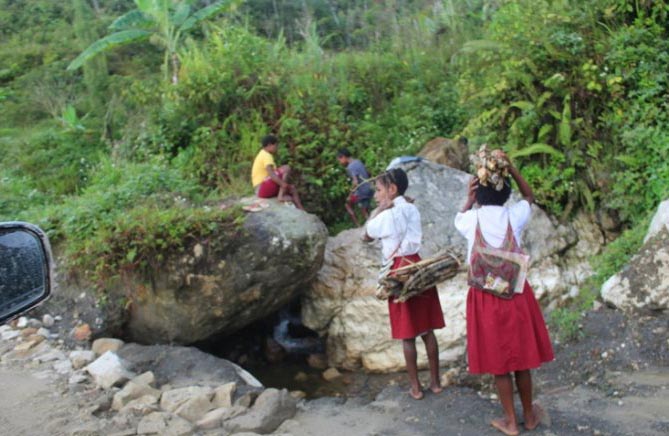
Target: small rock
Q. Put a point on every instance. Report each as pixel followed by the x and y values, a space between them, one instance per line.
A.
pixel 28 331
pixel 57 318
pixel 449 377
pixel 44 332
pixel 48 321
pixel 298 395
pixel 50 356
pixel 102 345
pixel 270 409
pixel 188 402
pixel 81 332
pixel 77 377
pixel 331 374
pixel 34 323
pixel 22 322
pixel 146 378
pixel 141 406
pixel 63 367
pixel 317 361
pixel 605 355
pixel 164 424
pixel 223 395
pixel 301 377
pixel 109 370
pixel 132 391
pixel 10 334
pixel 81 358
pixel 246 400
pixel 214 418
pixel 25 346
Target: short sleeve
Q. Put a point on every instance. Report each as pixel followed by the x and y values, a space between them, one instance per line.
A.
pixel 519 214
pixel 269 160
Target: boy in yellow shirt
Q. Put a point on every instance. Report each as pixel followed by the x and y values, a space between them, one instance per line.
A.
pixel 270 181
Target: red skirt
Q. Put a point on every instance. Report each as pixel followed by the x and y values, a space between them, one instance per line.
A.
pixel 419 314
pixel 505 335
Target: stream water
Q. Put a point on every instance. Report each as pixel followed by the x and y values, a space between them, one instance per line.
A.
pixel 275 350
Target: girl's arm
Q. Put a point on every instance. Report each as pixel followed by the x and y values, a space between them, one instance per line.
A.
pixel 471 194
pixel 523 186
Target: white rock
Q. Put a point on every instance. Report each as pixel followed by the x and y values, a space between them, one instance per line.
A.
pixel 132 391
pixel 270 409
pixel 172 399
pixel 78 377
pixel 215 418
pixel 164 424
pixel 146 378
pixel 48 321
pixel 50 356
pixel 141 406
pixel 44 332
pixel 102 345
pixel 81 358
pixel 223 395
pixel 10 334
pixel 194 408
pixel 109 370
pixel 22 322
pixel 5 328
pixel 63 366
pixel 660 221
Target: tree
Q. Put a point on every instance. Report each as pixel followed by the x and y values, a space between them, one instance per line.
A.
pixel 162 22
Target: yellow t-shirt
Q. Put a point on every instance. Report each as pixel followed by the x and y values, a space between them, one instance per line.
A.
pixel 259 169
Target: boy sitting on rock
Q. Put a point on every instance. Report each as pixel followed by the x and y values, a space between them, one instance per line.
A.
pixel 270 181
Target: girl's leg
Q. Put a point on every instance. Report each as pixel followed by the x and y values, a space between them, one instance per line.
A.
pixel 410 357
pixel 507 424
pixel 432 349
pixel 524 385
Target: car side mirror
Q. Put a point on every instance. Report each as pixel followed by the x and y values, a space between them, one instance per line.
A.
pixel 25 268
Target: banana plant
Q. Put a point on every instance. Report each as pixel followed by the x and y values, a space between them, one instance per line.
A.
pixel 161 22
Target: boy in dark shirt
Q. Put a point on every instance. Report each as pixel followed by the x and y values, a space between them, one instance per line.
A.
pixel 363 192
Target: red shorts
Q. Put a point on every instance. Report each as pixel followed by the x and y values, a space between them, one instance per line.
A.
pixel 269 188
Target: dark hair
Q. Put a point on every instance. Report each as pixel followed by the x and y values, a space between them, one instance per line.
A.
pixel 343 152
pixel 397 177
pixel 269 140
pixel 463 140
pixel 489 196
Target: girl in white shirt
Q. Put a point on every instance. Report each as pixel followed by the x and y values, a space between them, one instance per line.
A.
pixel 503 336
pixel 397 223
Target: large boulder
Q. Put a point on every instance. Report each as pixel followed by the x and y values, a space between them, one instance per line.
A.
pixel 218 287
pixel 644 281
pixel 449 152
pixel 341 303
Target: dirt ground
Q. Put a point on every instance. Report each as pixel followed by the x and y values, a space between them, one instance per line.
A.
pixel 613 381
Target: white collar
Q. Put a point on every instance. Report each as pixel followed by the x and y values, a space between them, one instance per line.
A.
pixel 399 200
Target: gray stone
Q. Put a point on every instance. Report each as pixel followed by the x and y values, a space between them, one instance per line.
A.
pixel 173 399
pixel 215 418
pixel 234 280
pixel 141 406
pixel 48 321
pixel 10 334
pixel 162 423
pixel 109 370
pixel 131 391
pixel 77 377
pixel 22 322
pixel 81 358
pixel 270 409
pixel 63 366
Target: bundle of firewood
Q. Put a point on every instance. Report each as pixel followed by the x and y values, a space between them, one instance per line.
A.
pixel 410 280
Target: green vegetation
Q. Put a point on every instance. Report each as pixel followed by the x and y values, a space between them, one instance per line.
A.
pixel 103 155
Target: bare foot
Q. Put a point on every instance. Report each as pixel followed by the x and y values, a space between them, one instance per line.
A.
pixel 539 416
pixel 503 425
pixel 416 394
pixel 436 389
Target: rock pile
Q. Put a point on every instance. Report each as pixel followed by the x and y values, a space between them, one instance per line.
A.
pixel 149 390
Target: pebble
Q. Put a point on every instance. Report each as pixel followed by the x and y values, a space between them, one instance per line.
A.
pixel 22 322
pixel 10 334
pixel 605 355
pixel 48 321
pixel 331 374
pixel 44 332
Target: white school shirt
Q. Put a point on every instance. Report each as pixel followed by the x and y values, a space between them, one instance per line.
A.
pixel 398 228
pixel 493 221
